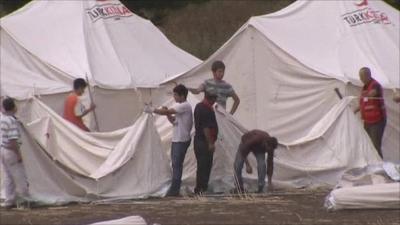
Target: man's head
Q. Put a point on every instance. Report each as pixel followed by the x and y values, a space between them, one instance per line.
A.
pixel 211 95
pixel 365 75
pixel 218 69
pixel 271 143
pixel 180 93
pixel 9 105
pixel 79 86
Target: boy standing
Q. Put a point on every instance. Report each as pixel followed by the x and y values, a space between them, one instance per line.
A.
pixel 258 142
pixel 181 117
pixel 204 139
pixel 10 155
pixel 224 89
pixel 74 110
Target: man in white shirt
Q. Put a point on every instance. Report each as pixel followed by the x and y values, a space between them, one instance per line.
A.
pixel 11 160
pixel 181 117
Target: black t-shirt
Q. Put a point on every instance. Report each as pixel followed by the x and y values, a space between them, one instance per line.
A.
pixel 204 117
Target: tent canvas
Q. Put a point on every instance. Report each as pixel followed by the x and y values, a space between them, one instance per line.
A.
pixel 285 66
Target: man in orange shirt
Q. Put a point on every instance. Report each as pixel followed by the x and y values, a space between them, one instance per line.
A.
pixel 74 110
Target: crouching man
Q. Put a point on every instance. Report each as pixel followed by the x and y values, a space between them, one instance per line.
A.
pixel 258 142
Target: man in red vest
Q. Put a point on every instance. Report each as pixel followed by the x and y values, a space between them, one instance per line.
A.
pixel 372 108
pixel 74 110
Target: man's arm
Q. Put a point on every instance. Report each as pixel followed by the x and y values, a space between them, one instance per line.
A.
pixel 197 90
pixel 14 146
pixel 249 169
pixel 166 112
pixel 270 169
pixel 209 138
pixel 236 102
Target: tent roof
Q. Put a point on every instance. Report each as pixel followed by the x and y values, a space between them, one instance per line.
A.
pixel 103 39
pixel 334 38
pixel 337 38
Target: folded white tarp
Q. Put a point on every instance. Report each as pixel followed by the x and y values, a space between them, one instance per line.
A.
pixel 368 187
pixel 130 220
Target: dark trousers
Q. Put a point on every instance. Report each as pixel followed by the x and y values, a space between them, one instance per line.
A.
pixel 204 158
pixel 261 169
pixel 178 152
pixel 375 132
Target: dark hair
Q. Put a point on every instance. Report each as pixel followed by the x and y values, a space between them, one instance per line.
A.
pixel 272 142
pixel 181 90
pixel 79 83
pixel 217 65
pixel 8 104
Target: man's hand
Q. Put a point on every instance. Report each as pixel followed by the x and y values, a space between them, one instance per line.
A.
pixel 249 169
pixel 211 147
pixel 148 109
pixel 92 107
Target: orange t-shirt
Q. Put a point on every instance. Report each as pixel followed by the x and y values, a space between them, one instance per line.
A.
pixel 69 111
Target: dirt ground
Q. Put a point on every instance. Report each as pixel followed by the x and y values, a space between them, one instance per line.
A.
pixel 291 208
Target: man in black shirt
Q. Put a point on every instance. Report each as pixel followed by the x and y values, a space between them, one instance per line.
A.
pixel 204 140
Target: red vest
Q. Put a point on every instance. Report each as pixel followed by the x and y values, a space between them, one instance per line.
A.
pixel 372 109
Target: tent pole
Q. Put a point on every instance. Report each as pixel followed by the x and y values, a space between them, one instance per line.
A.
pixel 92 102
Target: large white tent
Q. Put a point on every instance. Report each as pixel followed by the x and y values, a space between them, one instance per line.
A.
pixel 285 66
pixel 319 136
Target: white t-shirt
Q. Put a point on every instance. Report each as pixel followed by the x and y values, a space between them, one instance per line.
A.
pixel 183 122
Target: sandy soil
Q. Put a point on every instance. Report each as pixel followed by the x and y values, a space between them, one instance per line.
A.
pixel 291 208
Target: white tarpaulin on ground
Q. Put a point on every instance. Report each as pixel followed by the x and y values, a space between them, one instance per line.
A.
pixel 130 220
pixel 368 187
pixel 284 66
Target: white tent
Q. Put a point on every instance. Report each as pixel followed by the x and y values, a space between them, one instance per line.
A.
pixel 44 47
pixel 285 66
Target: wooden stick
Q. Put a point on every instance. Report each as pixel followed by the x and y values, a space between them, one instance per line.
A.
pixel 338 93
pixel 92 102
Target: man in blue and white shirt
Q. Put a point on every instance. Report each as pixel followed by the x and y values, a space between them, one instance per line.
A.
pixel 10 155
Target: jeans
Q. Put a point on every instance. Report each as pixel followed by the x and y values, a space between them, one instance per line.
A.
pixel 204 158
pixel 178 152
pixel 12 171
pixel 375 132
pixel 261 169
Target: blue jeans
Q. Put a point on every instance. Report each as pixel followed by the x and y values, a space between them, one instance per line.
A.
pixel 178 152
pixel 261 169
